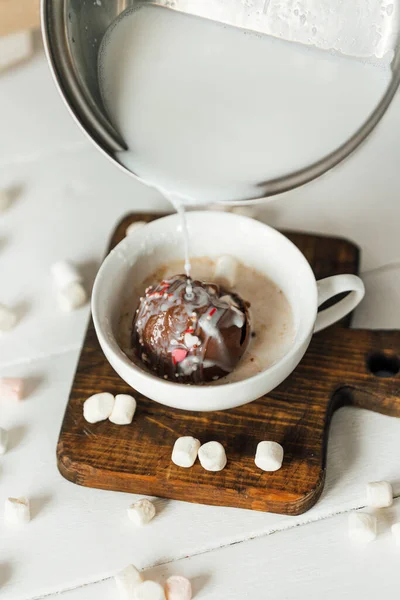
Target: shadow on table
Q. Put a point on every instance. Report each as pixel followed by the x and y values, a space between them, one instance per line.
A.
pixel 16 436
pixel 32 384
pixel 200 582
pixel 5 573
pixel 38 504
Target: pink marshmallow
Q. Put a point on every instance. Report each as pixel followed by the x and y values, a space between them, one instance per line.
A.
pixel 11 389
pixel 178 588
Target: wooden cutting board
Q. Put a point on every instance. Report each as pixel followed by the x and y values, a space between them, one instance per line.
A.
pixel 341 367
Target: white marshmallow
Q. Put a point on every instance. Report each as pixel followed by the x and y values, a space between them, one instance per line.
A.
pixel 126 581
pixel 185 451
pixel 17 511
pixel 98 407
pixel 379 494
pixel 72 296
pixel 142 512
pixel 178 588
pixel 8 319
pixel 362 527
pixel 3 441
pixel 269 456
pixel 212 456
pixel 148 590
pixel 5 200
pixel 396 533
pixel 226 269
pixel 124 409
pixel 133 227
pixel 11 388
pixel 64 273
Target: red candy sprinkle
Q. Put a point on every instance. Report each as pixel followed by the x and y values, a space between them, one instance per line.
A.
pixel 178 355
pixel 190 330
pixel 165 285
pixel 212 312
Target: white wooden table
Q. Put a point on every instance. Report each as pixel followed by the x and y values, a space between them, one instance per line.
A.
pixel 67 202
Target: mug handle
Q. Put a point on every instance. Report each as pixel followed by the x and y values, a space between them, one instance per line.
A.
pixel 330 287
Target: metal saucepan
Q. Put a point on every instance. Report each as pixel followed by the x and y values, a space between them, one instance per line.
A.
pixel 73 30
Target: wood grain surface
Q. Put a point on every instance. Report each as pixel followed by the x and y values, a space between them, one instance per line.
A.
pixel 342 366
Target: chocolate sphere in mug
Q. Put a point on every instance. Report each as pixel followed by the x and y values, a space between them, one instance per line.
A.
pixel 190 333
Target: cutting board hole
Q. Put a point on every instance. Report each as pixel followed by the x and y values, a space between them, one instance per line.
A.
pixel 383 365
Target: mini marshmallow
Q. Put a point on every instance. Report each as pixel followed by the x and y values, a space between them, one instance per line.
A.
pixel 362 527
pixel 98 407
pixel 225 270
pixel 148 590
pixel 124 409
pixel 142 512
pixel 133 227
pixel 11 388
pixel 126 581
pixel 212 456
pixel 72 296
pixel 185 451
pixel 3 441
pixel 379 494
pixel 64 273
pixel 178 588
pixel 17 511
pixel 8 319
pixel 269 456
pixel 5 200
pixel 396 533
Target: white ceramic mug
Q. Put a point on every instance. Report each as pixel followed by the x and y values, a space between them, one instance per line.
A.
pixel 214 234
